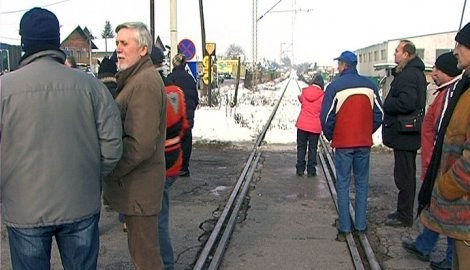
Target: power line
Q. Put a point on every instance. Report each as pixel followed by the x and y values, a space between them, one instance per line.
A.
pixel 23 10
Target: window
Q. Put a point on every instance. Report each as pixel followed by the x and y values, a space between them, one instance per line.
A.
pixel 383 55
pixel 376 56
pixel 370 57
pixel 420 53
pixel 439 52
pixel 360 58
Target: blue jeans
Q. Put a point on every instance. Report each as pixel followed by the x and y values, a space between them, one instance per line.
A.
pixel 78 245
pixel 166 249
pixel 427 239
pixel 357 161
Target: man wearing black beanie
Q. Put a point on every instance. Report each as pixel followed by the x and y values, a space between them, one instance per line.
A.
pixel 60 135
pixel 445 195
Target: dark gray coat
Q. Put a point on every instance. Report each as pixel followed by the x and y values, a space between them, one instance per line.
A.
pixel 60 134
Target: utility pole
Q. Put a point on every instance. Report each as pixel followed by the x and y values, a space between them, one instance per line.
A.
pixel 152 19
pixel 255 43
pixel 207 87
pixel 173 31
pixel 255 23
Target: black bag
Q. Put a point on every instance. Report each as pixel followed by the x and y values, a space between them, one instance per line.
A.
pixel 410 123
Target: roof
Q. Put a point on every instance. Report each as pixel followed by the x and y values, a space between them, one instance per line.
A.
pixel 84 35
pixel 101 44
pixel 388 66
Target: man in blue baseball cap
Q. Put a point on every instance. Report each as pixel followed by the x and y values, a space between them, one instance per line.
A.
pixel 347 57
pixel 351 113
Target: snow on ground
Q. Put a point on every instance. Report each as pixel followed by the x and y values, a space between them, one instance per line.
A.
pixel 243 122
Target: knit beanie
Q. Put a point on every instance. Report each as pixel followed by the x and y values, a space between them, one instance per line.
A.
pixel 107 68
pixel 39 31
pixel 157 56
pixel 318 80
pixel 447 63
pixel 463 36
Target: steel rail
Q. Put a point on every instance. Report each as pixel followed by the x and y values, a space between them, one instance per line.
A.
pixel 230 211
pixel 325 154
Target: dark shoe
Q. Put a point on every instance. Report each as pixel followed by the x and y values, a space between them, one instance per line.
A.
pixel 359 232
pixel 299 173
pixel 393 215
pixel 341 237
pixel 184 174
pixel 312 174
pixel 411 248
pixel 442 265
pixel 398 223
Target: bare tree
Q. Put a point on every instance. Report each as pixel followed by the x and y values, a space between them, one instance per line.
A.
pixel 107 33
pixel 234 51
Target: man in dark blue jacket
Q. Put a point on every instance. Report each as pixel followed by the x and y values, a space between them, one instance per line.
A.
pixel 407 97
pixel 180 77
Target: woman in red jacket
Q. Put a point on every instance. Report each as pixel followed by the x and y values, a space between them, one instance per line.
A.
pixel 309 125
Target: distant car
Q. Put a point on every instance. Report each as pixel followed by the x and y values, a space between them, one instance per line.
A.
pixel 227 76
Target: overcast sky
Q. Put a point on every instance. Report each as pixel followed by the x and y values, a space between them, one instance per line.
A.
pixel 318 30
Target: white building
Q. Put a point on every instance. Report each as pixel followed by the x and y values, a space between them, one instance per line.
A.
pixel 376 61
pixel 428 48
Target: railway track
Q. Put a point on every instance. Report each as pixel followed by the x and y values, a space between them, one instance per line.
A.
pixel 211 256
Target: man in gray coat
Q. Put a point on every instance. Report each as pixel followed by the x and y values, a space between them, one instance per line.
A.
pixel 60 135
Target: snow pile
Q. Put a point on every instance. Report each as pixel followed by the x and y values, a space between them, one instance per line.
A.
pixel 246 119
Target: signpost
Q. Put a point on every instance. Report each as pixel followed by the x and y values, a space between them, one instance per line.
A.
pixel 187 48
pixel 208 52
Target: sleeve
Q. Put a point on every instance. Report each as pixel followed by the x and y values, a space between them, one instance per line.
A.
pixel 182 113
pixel 455 183
pixel 109 128
pixel 141 127
pixel 378 111
pixel 328 113
pixel 403 100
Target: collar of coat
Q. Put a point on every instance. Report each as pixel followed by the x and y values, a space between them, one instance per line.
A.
pixel 444 85
pixel 125 75
pixel 57 55
pixel 399 68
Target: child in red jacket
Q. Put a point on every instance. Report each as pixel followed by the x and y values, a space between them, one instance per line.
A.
pixel 309 125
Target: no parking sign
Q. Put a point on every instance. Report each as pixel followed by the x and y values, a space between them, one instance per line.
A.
pixel 187 48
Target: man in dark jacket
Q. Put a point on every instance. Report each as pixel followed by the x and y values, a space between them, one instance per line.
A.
pixel 407 97
pixel 180 77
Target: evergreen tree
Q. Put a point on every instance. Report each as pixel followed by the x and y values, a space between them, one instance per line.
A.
pixel 107 33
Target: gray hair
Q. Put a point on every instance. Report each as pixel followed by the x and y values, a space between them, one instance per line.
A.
pixel 142 34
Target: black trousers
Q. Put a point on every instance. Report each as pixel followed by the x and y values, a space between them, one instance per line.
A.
pixel 306 140
pixel 404 173
pixel 187 146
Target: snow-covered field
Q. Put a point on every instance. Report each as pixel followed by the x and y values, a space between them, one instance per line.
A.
pixel 243 122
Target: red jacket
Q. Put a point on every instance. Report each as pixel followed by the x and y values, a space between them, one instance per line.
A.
pixel 176 126
pixel 431 122
pixel 310 99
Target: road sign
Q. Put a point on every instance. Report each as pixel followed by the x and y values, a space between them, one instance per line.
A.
pixel 205 69
pixel 187 48
pixel 210 48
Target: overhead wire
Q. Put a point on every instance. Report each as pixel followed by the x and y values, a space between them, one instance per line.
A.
pixel 23 10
